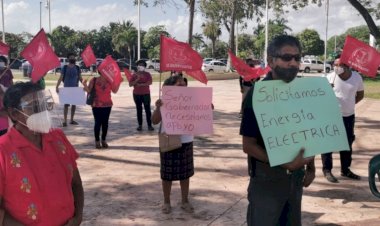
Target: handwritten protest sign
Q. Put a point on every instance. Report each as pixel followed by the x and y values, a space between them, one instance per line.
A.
pixel 72 95
pixel 187 110
pixel 302 113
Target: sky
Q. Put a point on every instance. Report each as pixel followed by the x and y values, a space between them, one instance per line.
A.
pixel 24 15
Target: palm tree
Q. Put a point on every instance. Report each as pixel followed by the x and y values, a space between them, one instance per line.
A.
pixel 198 42
pixel 124 42
pixel 212 31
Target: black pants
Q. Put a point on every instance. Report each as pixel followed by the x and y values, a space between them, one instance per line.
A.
pixel 275 196
pixel 101 116
pixel 346 155
pixel 141 100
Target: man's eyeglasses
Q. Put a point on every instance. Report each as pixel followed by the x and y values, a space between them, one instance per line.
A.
pixel 289 57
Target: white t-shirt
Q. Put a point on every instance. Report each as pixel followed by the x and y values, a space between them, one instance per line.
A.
pixel 346 91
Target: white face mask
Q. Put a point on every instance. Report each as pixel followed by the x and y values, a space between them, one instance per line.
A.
pixel 39 122
pixel 140 68
pixel 2 65
pixel 338 70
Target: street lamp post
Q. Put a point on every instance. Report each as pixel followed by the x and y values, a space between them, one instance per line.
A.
pixel 48 7
pixel 138 31
pixel 266 31
pixel 2 19
pixel 327 26
pixel 40 15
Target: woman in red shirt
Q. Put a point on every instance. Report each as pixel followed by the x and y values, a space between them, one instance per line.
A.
pixel 101 107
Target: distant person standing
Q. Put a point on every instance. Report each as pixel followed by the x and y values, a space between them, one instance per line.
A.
pixel 141 80
pixel 6 80
pixel 349 89
pixel 246 85
pixel 70 75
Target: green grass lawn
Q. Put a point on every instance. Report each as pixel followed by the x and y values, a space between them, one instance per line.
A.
pixel 371 85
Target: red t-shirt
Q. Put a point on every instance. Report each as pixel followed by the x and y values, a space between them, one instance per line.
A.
pixel 145 77
pixel 35 185
pixel 102 93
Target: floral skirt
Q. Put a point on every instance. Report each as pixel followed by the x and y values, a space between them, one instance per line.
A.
pixel 177 164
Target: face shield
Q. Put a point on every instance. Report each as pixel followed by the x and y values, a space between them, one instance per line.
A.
pixel 39 108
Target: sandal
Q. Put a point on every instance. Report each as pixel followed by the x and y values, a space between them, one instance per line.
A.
pixel 166 208
pixel 350 175
pixel 187 207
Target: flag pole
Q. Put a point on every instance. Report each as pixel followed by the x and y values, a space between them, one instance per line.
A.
pixel 159 88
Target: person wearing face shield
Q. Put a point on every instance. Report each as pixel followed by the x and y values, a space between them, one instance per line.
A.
pixel 141 80
pixel 39 179
pixel 274 193
pixel 71 76
pixel 349 89
pixel 6 80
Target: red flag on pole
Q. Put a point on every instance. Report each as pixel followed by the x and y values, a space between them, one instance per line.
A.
pixel 110 70
pixel 248 73
pixel 40 55
pixel 360 56
pixel 4 48
pixel 128 74
pixel 178 56
pixel 88 56
pixel 198 75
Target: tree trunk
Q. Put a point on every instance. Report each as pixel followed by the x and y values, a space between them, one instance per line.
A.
pixel 232 34
pixel 213 48
pixel 367 17
pixel 191 20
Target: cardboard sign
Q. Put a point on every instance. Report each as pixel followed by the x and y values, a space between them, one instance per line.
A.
pixel 187 110
pixel 72 95
pixel 302 113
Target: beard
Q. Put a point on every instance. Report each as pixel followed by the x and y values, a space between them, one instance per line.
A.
pixel 286 74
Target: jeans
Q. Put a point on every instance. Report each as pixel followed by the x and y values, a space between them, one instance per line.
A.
pixel 101 116
pixel 141 100
pixel 346 155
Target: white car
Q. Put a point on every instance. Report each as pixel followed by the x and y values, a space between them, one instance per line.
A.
pixel 308 65
pixel 153 64
pixel 214 66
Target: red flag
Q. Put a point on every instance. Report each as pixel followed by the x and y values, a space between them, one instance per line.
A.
pixel 128 74
pixel 110 70
pixel 88 56
pixel 178 56
pixel 360 56
pixel 198 75
pixel 40 55
pixel 4 48
pixel 259 71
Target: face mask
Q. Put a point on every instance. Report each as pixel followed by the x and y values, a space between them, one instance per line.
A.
pixel 140 68
pixel 72 61
pixel 286 74
pixel 39 122
pixel 338 70
pixel 2 65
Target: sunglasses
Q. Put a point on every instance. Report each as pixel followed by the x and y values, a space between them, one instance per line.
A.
pixel 289 57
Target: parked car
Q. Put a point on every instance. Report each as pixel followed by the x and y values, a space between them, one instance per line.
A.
pixel 15 64
pixel 207 60
pixel 153 64
pixel 308 65
pixel 214 66
pixel 224 60
pixel 123 65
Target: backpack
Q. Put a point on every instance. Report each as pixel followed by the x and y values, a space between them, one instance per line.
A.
pixel 64 72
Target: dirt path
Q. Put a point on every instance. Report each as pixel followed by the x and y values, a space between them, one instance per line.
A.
pixel 123 187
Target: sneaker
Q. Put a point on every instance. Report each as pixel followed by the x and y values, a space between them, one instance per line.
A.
pixel 97 145
pixel 64 124
pixel 150 128
pixel 104 144
pixel 348 173
pixel 74 123
pixel 330 177
pixel 139 128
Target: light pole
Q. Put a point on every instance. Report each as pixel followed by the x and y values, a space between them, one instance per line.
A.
pixel 40 15
pixel 2 19
pixel 138 31
pixel 266 31
pixel 48 7
pixel 237 38
pixel 327 26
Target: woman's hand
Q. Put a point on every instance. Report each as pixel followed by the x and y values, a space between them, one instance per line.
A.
pixel 159 103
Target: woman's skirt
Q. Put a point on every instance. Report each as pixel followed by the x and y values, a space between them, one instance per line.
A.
pixel 177 164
